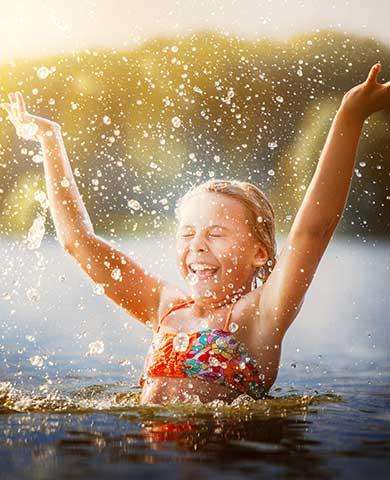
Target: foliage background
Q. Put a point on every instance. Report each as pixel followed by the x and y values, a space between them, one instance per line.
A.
pixel 252 110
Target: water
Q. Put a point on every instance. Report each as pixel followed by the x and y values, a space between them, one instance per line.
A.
pixel 70 361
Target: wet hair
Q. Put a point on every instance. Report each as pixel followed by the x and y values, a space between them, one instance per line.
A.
pixel 261 217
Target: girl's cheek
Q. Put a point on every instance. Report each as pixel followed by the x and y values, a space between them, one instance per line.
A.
pixel 180 247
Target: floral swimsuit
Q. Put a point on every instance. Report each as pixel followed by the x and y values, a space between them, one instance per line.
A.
pixel 213 355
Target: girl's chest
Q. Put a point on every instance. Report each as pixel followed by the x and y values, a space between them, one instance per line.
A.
pixel 211 338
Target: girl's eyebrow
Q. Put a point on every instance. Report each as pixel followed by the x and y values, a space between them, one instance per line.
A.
pixel 210 226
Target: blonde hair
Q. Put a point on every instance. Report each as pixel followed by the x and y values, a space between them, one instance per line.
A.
pixel 261 215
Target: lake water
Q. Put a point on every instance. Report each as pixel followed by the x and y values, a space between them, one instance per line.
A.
pixel 66 414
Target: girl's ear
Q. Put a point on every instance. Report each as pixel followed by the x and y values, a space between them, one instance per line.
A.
pixel 261 255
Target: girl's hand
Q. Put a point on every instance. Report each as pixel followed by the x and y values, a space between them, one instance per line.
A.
pixel 367 97
pixel 29 127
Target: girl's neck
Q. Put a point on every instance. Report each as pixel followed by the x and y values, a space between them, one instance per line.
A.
pixel 214 304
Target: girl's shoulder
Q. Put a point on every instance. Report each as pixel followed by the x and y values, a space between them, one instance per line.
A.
pixel 246 310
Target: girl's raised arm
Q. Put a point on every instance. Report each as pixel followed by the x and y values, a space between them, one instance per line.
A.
pixel 122 279
pixel 322 206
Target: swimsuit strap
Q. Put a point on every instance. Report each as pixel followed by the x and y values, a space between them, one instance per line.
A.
pixel 172 309
pixel 228 317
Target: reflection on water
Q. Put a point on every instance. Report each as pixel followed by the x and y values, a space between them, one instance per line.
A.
pixel 102 430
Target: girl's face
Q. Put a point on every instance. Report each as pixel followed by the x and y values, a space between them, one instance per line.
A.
pixel 217 252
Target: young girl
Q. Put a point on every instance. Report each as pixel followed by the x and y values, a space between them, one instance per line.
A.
pixel 224 338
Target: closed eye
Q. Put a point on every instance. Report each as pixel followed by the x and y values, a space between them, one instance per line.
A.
pixel 188 235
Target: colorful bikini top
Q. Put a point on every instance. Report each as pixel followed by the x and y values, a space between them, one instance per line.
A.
pixel 211 354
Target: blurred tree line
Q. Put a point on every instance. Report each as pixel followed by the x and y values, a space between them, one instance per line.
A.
pixel 143 126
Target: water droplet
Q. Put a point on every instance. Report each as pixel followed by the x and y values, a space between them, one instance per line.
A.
pixel 293 365
pixel 233 327
pixel 208 293
pixel 271 173
pixel 95 348
pixel 43 73
pixel 37 361
pixel 124 363
pixel 40 197
pixel 279 99
pixel 116 274
pixel 260 219
pixel 299 72
pixel 36 232
pixel 98 289
pixel 234 259
pixel 272 145
pixel 133 204
pixel 61 278
pixel 176 122
pixel 192 279
pixel 106 120
pixel 33 294
pixel 37 158
pixel 30 338
pixel 242 365
pixel 65 182
pixel 180 342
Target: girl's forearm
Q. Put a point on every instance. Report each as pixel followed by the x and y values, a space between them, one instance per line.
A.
pixel 71 219
pixel 328 191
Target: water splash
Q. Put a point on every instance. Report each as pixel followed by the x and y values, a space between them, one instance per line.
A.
pixel 114 398
pixel 36 232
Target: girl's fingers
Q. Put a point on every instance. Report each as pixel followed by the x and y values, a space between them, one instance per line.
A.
pixel 17 105
pixel 6 107
pixel 14 110
pixel 373 74
pixel 20 103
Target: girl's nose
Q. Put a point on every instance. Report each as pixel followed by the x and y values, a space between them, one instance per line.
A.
pixel 198 245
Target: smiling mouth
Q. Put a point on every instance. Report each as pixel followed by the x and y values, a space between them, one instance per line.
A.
pixel 206 273
pixel 203 272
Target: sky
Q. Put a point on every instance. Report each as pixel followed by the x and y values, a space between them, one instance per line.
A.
pixel 36 28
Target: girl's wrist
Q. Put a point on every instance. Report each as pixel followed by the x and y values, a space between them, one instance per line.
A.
pixel 350 116
pixel 51 131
